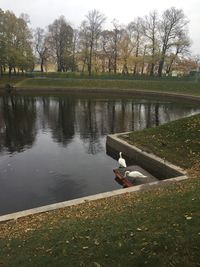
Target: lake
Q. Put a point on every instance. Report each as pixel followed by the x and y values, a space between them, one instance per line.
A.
pixel 52 148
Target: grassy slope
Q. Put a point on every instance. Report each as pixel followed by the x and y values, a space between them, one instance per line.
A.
pixel 180 87
pixel 159 227
pixel 177 141
pixel 12 80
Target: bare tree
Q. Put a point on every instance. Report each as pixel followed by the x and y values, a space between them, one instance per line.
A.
pixel 136 31
pixel 173 22
pixel 126 48
pixel 116 40
pixel 74 50
pixel 150 29
pixel 143 58
pixel 181 48
pixel 83 45
pixel 61 41
pixel 107 51
pixel 93 25
pixel 41 46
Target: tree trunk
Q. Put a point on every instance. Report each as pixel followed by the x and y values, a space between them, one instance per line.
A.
pixel 172 61
pixel 170 66
pixel 90 60
pixel 153 58
pixel 84 63
pixel 115 63
pixel 152 69
pixel 59 66
pixel 143 60
pixel 109 65
pixel 9 71
pixel 135 69
pixel 160 68
pixel 90 66
pixel 41 65
pixel 1 71
pixel 125 69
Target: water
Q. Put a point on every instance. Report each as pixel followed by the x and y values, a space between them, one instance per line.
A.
pixel 52 149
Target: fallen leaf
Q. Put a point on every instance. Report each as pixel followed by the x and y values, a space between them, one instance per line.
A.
pixel 97 264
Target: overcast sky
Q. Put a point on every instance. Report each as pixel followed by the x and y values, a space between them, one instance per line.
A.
pixel 44 12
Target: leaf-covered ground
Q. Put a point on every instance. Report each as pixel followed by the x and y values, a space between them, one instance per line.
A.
pixel 158 227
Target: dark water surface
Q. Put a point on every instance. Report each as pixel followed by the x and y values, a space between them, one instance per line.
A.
pixel 53 148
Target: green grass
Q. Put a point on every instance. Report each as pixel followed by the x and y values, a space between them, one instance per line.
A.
pixel 178 87
pixel 177 141
pixel 159 227
pixel 11 80
pixel 108 76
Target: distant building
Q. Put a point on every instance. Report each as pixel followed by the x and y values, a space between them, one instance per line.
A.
pixel 174 73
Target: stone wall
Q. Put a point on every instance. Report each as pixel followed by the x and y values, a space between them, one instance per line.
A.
pixel 153 164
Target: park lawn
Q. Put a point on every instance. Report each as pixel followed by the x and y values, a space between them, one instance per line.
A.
pixel 178 87
pixel 178 142
pixel 157 227
pixel 11 80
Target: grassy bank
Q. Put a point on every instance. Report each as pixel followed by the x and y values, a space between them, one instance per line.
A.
pixel 177 142
pixel 178 87
pixel 109 76
pixel 158 227
pixel 11 80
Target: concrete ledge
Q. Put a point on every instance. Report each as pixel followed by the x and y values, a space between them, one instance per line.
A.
pixel 158 167
pixel 149 162
pixel 16 215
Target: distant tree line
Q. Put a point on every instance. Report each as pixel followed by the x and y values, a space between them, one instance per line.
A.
pixel 151 45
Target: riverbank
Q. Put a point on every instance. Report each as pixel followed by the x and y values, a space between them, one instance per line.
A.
pixel 4 80
pixel 173 87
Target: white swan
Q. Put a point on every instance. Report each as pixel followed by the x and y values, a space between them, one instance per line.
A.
pixel 121 161
pixel 134 174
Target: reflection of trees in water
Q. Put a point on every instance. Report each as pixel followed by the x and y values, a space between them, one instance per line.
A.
pixel 18 116
pixel 61 119
pixel 129 115
pixel 91 118
pixel 151 115
pixel 89 123
pixel 45 101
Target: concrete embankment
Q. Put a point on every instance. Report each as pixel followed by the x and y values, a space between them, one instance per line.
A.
pixel 153 164
pixel 165 171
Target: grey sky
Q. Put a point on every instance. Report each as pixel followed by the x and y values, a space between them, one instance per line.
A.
pixel 43 12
